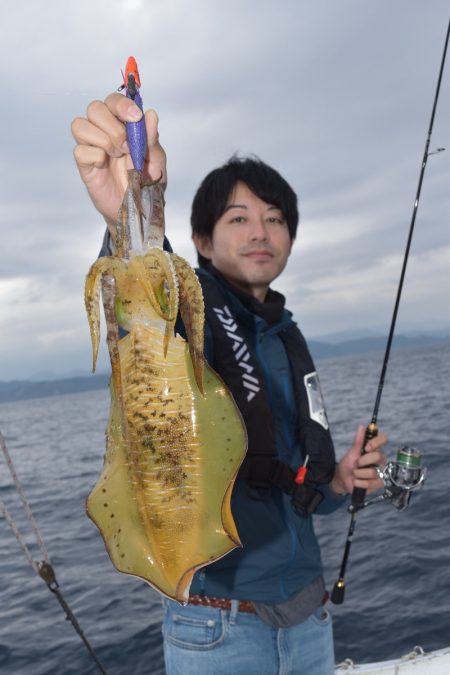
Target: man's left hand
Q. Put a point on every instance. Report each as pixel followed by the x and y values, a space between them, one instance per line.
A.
pixel 359 470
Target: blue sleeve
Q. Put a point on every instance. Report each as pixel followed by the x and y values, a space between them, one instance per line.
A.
pixel 331 501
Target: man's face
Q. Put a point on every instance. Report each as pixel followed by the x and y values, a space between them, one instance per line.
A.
pixel 250 243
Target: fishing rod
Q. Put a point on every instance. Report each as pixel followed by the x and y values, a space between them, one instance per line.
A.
pixel 405 474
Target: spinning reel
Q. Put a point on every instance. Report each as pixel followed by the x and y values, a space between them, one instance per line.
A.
pixel 400 477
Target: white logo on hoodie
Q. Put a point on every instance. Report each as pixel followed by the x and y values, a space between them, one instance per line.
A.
pixel 240 349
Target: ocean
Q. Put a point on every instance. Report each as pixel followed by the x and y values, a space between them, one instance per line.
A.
pixel 398 577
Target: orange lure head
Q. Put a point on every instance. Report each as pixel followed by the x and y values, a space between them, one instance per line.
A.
pixel 131 73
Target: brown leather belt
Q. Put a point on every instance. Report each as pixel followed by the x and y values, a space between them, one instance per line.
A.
pixel 221 603
pixel 225 603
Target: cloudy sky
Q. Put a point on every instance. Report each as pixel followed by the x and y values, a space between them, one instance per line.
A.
pixel 336 94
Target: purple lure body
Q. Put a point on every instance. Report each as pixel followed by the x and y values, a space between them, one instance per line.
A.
pixel 137 135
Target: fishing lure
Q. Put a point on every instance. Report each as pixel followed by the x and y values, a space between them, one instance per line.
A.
pixel 136 131
pixel 136 136
pixel 175 437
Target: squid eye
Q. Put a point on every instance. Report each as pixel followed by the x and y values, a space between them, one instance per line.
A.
pixel 162 293
pixel 119 311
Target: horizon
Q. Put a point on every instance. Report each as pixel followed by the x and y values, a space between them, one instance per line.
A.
pixel 331 340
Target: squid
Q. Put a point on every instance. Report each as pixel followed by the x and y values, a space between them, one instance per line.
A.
pixel 175 438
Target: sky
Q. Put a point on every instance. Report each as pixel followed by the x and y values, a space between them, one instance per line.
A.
pixel 335 94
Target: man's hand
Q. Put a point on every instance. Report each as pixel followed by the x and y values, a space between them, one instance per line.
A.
pixel 354 469
pixel 102 153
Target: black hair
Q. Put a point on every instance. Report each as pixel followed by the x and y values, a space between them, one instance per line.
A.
pixel 212 196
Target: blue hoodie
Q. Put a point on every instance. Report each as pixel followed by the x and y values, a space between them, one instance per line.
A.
pixel 280 554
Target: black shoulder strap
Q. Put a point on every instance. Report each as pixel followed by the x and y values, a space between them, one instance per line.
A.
pixel 237 364
pixel 235 361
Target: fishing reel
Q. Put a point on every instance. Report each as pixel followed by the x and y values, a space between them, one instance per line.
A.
pixel 400 477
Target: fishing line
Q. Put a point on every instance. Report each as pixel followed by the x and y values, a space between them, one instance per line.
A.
pixel 408 460
pixel 26 507
pixel 44 567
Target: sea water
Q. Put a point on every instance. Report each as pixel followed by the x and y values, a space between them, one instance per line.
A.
pixel 398 578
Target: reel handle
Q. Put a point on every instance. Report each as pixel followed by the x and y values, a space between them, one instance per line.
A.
pixel 359 494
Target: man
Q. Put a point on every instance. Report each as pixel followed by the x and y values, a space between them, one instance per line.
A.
pixel 259 609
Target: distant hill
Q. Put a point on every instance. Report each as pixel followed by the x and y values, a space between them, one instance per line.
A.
pixel 326 349
pixel 26 389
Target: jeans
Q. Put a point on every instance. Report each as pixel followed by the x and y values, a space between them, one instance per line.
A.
pixel 207 641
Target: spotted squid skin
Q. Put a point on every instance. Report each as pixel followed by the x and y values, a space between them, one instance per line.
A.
pixel 175 437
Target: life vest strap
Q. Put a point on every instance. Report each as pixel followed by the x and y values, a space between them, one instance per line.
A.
pixel 263 471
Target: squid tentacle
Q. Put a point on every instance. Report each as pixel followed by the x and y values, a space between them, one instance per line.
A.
pixel 192 314
pixel 102 266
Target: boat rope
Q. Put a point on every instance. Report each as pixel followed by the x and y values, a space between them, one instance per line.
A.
pixel 43 568
pixel 358 495
pixel 26 507
pixel 4 511
pixel 415 654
